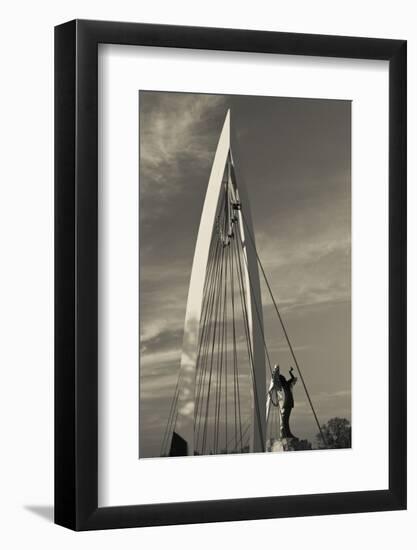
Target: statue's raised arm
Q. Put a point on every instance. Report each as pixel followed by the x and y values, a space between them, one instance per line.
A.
pixel 293 379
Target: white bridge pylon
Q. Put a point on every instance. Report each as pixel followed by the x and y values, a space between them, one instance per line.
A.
pixel 185 420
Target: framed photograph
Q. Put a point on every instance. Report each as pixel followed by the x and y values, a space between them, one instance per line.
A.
pixel 230 275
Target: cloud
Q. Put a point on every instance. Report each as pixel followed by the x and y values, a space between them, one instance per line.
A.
pixel 280 253
pixel 161 358
pixel 152 329
pixel 174 132
pixel 316 271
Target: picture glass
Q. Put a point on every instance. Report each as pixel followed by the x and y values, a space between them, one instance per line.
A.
pixel 245 274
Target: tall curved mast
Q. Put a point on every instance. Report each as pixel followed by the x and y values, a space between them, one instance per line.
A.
pixel 225 160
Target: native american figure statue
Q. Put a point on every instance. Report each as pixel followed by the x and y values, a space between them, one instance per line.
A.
pixel 280 394
pixel 288 404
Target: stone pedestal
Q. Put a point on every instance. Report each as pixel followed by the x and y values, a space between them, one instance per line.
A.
pixel 274 446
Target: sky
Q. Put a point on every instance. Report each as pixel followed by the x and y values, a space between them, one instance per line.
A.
pixel 295 155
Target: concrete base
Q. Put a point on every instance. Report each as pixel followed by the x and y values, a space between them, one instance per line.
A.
pixel 274 446
pixel 282 445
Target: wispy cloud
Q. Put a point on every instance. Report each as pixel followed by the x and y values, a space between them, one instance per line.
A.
pixel 174 132
pixel 314 271
pixel 159 359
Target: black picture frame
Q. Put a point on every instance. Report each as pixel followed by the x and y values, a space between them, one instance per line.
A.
pixel 76 272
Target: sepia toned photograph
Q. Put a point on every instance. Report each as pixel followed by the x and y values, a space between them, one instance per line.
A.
pixel 245 274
